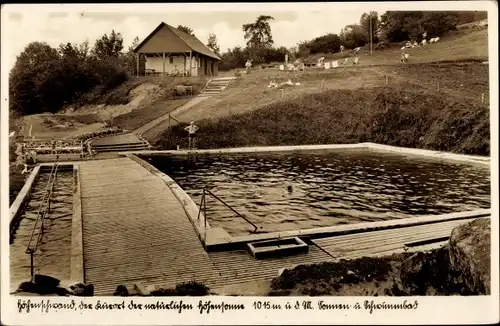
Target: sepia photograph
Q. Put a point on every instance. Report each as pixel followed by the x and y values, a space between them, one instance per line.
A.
pixel 248 152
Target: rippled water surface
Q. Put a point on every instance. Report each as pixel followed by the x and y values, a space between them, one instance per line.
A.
pixel 53 256
pixel 327 188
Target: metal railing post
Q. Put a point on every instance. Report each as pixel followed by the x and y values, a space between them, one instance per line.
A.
pixel 232 209
pixel 205 208
pixel 31 264
pixel 42 211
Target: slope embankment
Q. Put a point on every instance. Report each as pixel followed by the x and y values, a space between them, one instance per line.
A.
pixel 400 116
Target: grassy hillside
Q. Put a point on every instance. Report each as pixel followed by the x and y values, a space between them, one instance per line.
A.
pixel 458 45
pixel 453 63
pixel 399 116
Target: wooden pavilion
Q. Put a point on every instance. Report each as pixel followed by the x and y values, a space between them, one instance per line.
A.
pixel 170 51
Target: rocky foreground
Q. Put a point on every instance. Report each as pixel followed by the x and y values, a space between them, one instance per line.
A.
pixel 461 267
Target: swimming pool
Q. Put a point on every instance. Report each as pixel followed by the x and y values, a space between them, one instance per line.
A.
pixel 305 190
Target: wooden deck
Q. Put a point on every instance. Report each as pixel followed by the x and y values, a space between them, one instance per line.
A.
pixel 239 266
pixel 386 242
pixel 136 231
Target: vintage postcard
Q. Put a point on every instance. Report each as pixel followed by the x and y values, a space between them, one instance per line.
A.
pixel 250 163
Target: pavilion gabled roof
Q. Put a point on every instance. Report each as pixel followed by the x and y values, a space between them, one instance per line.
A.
pixel 191 42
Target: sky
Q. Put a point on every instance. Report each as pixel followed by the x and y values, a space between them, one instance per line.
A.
pixel 56 27
pixel 56 24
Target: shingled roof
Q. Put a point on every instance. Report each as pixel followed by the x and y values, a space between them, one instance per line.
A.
pixel 191 41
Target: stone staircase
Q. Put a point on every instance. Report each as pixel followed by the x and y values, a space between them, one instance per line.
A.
pixel 120 143
pixel 215 86
pixel 144 145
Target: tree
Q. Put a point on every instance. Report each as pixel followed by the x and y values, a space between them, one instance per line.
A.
pixel 329 43
pixel 84 49
pixel 130 57
pixel 68 50
pixel 364 22
pixel 465 17
pixel 233 58
pixel 108 46
pixel 186 30
pixel 44 79
pixel 404 25
pixel 303 49
pixel 353 36
pixel 258 34
pixel 28 77
pixel 439 23
pixel 212 43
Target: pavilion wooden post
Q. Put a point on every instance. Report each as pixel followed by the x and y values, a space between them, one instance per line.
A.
pixel 185 60
pixel 190 63
pixel 163 61
pixel 137 59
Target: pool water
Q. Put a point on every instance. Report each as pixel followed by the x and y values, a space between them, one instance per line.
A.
pixel 306 190
pixel 53 256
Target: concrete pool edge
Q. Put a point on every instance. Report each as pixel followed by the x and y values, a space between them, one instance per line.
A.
pixel 23 196
pixel 242 150
pixel 25 192
pixel 77 259
pixel 217 244
pixel 478 160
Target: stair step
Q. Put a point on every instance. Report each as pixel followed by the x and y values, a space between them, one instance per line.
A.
pixel 122 144
pixel 217 85
pixel 121 149
pixel 118 146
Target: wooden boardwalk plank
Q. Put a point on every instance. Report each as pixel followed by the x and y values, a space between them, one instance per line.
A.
pixel 239 266
pixel 137 231
pixel 384 241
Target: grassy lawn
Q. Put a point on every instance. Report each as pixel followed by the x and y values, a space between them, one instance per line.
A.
pixel 459 80
pixel 459 45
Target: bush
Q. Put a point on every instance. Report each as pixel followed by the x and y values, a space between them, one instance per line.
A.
pixel 44 79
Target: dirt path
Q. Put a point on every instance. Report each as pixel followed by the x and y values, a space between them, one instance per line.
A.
pixel 164 118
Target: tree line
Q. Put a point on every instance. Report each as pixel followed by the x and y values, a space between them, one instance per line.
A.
pixel 392 26
pixel 45 79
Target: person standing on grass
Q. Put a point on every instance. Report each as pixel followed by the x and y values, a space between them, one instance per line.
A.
pixel 191 129
pixel 248 66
